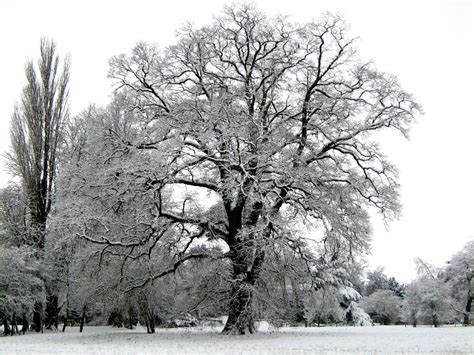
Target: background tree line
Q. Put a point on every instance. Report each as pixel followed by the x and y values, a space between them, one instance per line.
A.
pixel 437 296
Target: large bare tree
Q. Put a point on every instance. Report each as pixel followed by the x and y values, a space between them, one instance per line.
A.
pixel 268 121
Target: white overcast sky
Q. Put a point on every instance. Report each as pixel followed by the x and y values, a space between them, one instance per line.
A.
pixel 427 44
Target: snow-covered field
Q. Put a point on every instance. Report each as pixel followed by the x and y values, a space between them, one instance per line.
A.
pixel 347 340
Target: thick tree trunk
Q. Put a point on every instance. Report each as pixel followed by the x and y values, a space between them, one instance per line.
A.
pixel 247 257
pixel 37 324
pixel 38 226
pixel 52 312
pixel 246 273
pixel 240 319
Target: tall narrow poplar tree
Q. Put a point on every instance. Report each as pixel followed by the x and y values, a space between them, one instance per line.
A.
pixel 35 134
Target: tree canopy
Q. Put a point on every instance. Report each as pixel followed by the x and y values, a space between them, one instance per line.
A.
pixel 227 146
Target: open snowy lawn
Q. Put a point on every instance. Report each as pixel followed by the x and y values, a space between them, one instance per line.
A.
pixel 349 340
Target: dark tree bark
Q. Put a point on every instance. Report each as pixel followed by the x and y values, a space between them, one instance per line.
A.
pixel 14 324
pixel 83 318
pixel 52 312
pixel 241 320
pixel 436 322
pixel 37 324
pixel 150 324
pixel 470 297
pixel 25 325
pixel 468 311
pixel 66 317
pixel 6 327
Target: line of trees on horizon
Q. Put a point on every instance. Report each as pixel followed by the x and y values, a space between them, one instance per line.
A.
pixel 437 296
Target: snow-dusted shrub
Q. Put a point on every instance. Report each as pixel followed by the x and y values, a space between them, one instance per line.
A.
pixel 383 306
pixel 357 316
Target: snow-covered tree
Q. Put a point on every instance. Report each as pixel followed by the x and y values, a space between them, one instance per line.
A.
pixel 21 284
pixel 235 137
pixel 21 275
pixel 383 306
pixel 410 306
pixel 356 315
pixel 35 135
pixel 14 217
pixel 324 305
pixel 397 288
pixel 458 275
pixel 427 299
pixel 376 280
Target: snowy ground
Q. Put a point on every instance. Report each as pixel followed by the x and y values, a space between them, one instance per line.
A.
pixel 346 340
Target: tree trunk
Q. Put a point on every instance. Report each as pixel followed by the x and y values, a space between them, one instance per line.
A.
pixel 247 258
pixel 465 321
pixel 147 326
pixel 66 317
pixel 240 319
pixel 37 324
pixel 413 316
pixel 6 326
pixel 151 323
pixel 130 319
pixel 52 312
pixel 25 326
pixel 247 263
pixel 83 317
pixel 468 307
pixel 14 324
